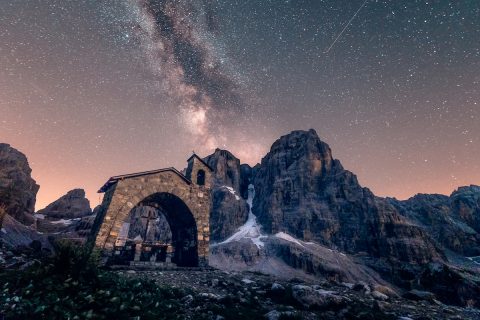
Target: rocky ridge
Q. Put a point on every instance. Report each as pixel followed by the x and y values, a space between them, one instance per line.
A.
pixel 312 222
pixel 454 221
pixel 307 195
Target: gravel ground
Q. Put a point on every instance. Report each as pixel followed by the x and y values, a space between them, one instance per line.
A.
pixel 214 294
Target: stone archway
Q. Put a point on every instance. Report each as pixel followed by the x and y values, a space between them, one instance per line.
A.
pixel 184 242
pixel 185 204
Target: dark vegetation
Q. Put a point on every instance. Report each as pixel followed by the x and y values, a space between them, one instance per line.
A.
pixel 69 285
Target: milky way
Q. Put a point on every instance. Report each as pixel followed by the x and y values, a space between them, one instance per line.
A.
pixel 176 37
pixel 91 89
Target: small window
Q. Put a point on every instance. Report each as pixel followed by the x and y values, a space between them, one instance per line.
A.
pixel 201 177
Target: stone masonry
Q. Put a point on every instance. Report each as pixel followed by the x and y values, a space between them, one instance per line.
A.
pixel 123 193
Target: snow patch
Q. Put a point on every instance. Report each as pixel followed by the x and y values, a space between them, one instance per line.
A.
pixel 232 191
pixel 247 281
pixel 475 260
pixel 39 216
pixel 4 230
pixel 66 222
pixel 251 229
pixel 287 237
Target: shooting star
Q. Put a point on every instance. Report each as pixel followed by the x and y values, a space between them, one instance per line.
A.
pixel 345 28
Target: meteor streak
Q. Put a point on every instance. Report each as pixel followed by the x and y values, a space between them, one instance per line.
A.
pixel 345 28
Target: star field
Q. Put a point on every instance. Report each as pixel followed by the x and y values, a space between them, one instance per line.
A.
pixel 91 89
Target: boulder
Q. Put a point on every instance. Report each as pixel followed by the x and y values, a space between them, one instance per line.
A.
pixel 309 297
pixel 379 296
pixel 419 295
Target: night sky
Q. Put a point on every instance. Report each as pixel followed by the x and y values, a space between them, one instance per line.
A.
pixel 91 89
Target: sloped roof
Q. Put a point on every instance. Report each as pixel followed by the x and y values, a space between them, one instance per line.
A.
pixel 115 179
pixel 201 160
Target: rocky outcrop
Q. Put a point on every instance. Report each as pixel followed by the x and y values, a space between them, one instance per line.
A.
pixel 465 203
pixel 15 234
pixel 229 208
pixel 229 171
pixel 453 221
pixel 303 191
pixel 70 206
pixel 69 216
pixel 229 212
pixel 226 168
pixel 17 188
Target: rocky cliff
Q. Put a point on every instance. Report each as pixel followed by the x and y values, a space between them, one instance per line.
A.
pixel 465 203
pixel 226 168
pixel 303 191
pixel 309 218
pixel 306 194
pixel 229 208
pixel 454 221
pixel 18 190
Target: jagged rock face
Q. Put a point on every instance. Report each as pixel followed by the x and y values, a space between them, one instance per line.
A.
pixel 229 208
pixel 70 206
pixel 452 221
pixel 229 212
pixel 303 191
pixel 226 167
pixel 246 174
pixel 466 205
pixel 17 188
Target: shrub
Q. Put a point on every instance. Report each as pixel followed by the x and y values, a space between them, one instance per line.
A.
pixel 70 285
pixel 75 261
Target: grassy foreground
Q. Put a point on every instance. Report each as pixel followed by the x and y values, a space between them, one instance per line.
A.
pixel 69 285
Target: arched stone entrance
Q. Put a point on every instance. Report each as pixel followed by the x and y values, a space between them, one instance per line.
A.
pixel 184 203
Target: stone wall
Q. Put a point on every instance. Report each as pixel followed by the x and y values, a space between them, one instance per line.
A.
pixel 127 193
